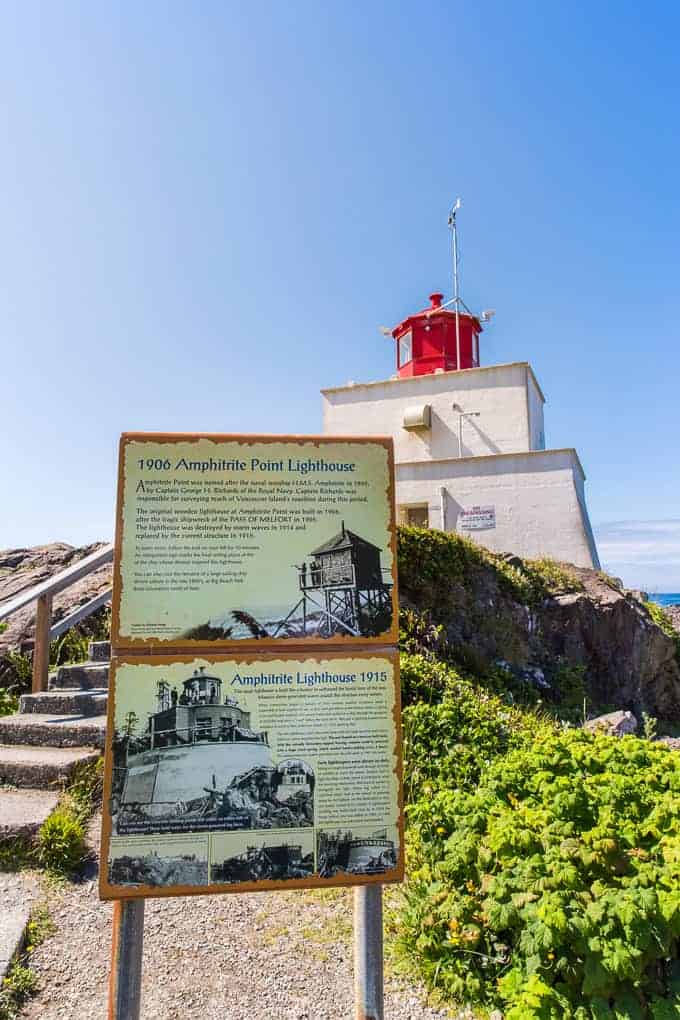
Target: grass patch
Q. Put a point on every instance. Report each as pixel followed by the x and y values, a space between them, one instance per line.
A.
pixel 17 987
pixel 20 982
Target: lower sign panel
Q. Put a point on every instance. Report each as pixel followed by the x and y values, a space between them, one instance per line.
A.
pixel 234 774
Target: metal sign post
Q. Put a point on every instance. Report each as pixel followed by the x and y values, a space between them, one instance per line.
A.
pixel 368 953
pixel 125 983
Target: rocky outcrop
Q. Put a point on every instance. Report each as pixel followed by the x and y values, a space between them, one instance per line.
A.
pixel 673 613
pixel 541 620
pixel 614 724
pixel 22 568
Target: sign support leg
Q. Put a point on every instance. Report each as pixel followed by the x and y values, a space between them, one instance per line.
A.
pixel 368 952
pixel 126 960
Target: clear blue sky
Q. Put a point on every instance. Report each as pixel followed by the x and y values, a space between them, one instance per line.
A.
pixel 208 208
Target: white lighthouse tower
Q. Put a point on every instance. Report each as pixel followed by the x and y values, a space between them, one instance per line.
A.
pixel 469 439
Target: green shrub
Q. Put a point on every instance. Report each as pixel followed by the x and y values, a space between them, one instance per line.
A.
pixel 16 988
pixel 453 729
pixel 17 671
pixel 546 882
pixel 61 841
pixel 85 788
pixel 552 578
pixel 9 702
pixel 661 618
pixel 431 562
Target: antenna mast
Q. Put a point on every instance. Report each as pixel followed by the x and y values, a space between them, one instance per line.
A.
pixel 453 227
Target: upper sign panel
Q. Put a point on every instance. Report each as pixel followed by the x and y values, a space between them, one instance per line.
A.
pixel 233 541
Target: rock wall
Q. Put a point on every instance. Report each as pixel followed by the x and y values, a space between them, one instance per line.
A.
pixel 540 617
pixel 22 568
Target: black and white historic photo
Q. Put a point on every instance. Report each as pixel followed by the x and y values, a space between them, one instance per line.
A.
pixel 196 764
pixel 339 588
pixel 166 862
pixel 273 857
pixel 354 853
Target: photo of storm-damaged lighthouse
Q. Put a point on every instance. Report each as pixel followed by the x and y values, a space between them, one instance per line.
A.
pixel 339 589
pixel 198 766
pixel 344 850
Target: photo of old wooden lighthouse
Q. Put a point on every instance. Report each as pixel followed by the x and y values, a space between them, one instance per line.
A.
pixel 340 589
pixel 198 765
pixel 343 589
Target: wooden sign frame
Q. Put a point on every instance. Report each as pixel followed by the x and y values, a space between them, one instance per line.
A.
pixel 155 644
pixel 111 891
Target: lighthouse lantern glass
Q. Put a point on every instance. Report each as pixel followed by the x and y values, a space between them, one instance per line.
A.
pixel 405 348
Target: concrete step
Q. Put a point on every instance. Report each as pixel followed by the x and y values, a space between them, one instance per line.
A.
pixel 49 730
pixel 99 651
pixel 73 702
pixel 18 891
pixel 26 765
pixel 84 676
pixel 22 812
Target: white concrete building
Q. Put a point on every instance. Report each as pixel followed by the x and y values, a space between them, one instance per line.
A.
pixel 470 443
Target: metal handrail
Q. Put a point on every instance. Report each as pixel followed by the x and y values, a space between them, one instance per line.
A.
pixel 42 594
pixel 59 582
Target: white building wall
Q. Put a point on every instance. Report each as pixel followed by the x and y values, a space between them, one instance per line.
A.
pixel 537 495
pixel 535 401
pixel 498 393
pixel 535 499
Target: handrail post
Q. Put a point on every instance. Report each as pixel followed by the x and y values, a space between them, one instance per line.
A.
pixel 41 646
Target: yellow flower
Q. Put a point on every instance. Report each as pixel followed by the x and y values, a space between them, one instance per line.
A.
pixel 551 956
pixel 441 830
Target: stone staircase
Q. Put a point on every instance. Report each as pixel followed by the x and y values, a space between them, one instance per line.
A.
pixel 50 735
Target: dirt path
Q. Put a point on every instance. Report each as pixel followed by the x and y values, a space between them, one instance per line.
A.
pixel 279 956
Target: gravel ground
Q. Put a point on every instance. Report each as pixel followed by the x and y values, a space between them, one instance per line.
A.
pixel 277 956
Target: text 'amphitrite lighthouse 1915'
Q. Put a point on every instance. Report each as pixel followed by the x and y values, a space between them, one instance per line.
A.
pixel 469 440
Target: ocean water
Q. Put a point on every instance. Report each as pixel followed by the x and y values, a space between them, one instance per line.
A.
pixel 665 598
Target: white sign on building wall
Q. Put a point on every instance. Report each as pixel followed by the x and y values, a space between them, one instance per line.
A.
pixel 477 518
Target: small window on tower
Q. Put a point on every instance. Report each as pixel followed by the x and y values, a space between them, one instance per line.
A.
pixel 405 348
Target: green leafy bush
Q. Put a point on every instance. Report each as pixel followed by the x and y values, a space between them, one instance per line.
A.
pixel 544 872
pixel 9 702
pixel 61 841
pixel 452 728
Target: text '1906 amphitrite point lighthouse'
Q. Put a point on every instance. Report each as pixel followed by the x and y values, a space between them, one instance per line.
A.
pixel 469 440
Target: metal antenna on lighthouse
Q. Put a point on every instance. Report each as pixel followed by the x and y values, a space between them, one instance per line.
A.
pixel 453 227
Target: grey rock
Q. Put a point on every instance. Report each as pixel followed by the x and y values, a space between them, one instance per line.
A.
pixel 626 658
pixel 22 568
pixel 615 724
pixel 671 742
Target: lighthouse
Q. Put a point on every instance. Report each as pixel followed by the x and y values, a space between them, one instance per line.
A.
pixel 469 438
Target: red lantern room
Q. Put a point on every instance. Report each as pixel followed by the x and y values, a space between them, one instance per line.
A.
pixel 437 339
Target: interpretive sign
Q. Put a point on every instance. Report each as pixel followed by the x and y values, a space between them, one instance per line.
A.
pixel 245 773
pixel 237 541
